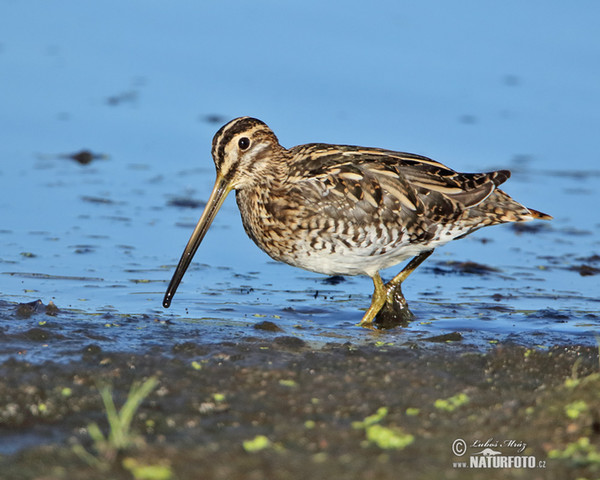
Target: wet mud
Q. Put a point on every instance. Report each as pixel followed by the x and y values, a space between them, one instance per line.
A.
pixel 265 403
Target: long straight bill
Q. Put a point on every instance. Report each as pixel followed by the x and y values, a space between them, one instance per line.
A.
pixel 217 196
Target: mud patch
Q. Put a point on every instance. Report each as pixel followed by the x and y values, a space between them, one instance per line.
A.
pixel 266 408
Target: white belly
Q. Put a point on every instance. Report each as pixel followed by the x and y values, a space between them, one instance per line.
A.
pixel 335 258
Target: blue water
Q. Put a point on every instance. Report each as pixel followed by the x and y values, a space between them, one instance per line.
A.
pixel 477 86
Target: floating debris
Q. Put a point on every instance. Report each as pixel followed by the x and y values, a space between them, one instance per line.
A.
pixel 591 259
pixel 214 118
pixel 98 200
pixel 25 310
pixel 130 96
pixel 530 228
pixel 333 280
pixel 185 203
pixel 267 326
pixel 444 338
pixel 585 270
pixel 84 157
pixel 470 268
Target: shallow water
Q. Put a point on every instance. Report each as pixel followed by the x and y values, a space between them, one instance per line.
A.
pixel 144 88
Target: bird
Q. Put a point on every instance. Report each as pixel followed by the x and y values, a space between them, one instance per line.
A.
pixel 347 210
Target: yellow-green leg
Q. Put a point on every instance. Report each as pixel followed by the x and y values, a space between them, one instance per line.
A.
pixel 410 267
pixel 388 302
pixel 377 302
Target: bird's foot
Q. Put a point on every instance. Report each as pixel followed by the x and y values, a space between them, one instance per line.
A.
pixel 388 307
pixel 395 311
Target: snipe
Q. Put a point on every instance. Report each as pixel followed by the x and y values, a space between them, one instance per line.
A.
pixel 346 210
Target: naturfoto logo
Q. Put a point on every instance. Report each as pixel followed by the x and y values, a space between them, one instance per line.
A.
pixel 494 453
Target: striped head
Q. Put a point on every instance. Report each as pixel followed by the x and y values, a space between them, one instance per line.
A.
pixel 244 149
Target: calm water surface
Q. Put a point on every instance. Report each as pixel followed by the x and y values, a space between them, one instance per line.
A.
pixel 145 85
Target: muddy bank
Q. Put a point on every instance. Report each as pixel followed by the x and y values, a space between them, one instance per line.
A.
pixel 273 406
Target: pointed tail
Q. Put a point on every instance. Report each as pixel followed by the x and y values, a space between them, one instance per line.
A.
pixel 539 215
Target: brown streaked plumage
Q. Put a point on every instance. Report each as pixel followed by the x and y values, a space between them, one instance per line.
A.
pixel 346 210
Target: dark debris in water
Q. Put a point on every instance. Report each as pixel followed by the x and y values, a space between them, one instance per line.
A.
pixel 591 259
pixel 576 232
pixel 530 227
pixel 550 314
pixel 468 267
pixel 97 200
pixel 446 337
pixel 585 270
pixel 85 157
pixel 39 334
pixel 214 118
pixel 333 280
pixel 184 202
pixel 498 297
pixel 83 249
pixel 128 96
pixel 26 310
pixel 267 326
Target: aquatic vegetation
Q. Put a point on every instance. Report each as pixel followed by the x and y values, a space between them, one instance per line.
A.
pixel 219 397
pixel 577 399
pixel 310 424
pixel 120 437
pixel 575 409
pixel 387 438
pixel 372 419
pixel 141 471
pixel 288 383
pixel 256 444
pixel 451 403
pixel 581 453
pixel 196 365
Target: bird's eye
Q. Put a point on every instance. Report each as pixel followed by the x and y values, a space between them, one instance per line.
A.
pixel 244 143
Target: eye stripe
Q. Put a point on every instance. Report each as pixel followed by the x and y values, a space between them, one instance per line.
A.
pixel 230 130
